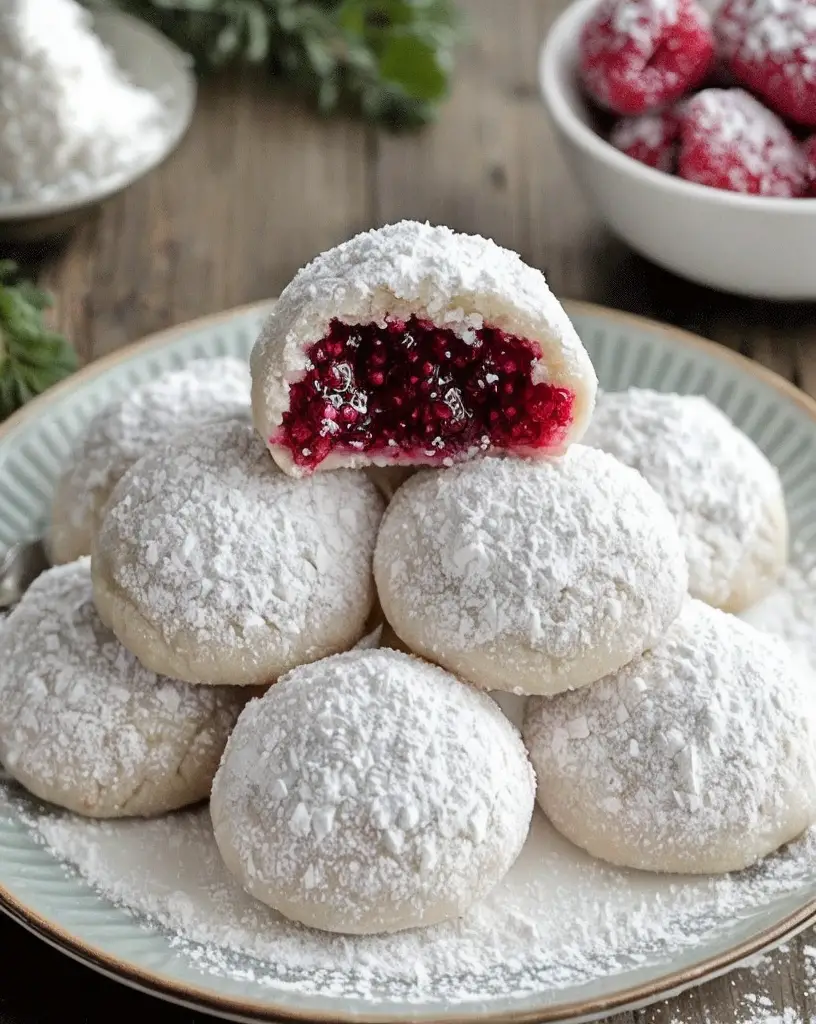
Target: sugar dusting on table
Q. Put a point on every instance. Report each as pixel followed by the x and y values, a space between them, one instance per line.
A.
pixel 559 919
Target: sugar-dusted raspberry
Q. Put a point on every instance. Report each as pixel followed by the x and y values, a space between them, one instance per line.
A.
pixel 729 140
pixel 640 55
pixel 810 156
pixel 651 139
pixel 770 46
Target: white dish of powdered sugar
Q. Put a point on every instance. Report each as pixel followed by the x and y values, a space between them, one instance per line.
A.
pixel 564 937
pixel 90 104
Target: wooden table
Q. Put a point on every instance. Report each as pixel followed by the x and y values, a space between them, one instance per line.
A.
pixel 261 185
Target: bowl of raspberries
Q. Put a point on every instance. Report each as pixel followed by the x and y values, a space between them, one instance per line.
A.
pixel 692 130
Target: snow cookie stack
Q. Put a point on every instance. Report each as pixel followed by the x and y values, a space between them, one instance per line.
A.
pixel 372 790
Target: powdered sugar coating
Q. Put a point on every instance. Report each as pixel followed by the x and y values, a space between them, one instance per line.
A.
pixel 84 725
pixel 214 567
pixel 725 495
pixel 559 917
pixel 372 792
pixel 461 282
pixel 728 140
pixel 206 391
pixel 650 139
pixel 638 56
pixel 698 757
pixel 770 45
pixel 532 577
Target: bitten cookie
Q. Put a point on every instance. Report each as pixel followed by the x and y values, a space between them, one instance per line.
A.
pixel 412 345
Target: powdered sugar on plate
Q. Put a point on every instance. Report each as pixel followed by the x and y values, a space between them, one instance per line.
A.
pixel 560 918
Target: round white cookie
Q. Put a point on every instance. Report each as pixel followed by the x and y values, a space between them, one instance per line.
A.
pixel 212 566
pixel 698 757
pixel 204 392
pixel 532 577
pixel 85 726
pixel 414 345
pixel 725 495
pixel 372 792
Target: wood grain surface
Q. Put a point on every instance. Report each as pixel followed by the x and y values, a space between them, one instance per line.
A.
pixel 259 186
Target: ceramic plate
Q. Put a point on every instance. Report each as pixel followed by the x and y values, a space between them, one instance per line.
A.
pixel 152 62
pixel 658 953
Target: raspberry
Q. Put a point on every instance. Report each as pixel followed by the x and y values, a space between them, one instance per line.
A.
pixel 770 46
pixel 729 140
pixel 639 55
pixel 408 388
pixel 651 139
pixel 810 156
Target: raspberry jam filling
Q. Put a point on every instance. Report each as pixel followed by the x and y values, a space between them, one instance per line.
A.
pixel 413 390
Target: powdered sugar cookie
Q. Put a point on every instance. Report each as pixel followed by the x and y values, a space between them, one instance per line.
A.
pixel 206 391
pixel 698 757
pixel 532 577
pixel 372 792
pixel 84 725
pixel 725 495
pixel 214 567
pixel 415 345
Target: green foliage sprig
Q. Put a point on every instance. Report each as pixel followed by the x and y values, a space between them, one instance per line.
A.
pixel 32 357
pixel 390 60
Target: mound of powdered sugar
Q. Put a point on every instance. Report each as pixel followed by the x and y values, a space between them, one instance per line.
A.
pixel 68 116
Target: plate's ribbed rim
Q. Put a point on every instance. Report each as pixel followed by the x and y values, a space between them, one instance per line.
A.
pixel 158 984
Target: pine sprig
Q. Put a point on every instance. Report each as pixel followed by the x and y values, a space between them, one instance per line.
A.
pixel 32 357
pixel 390 60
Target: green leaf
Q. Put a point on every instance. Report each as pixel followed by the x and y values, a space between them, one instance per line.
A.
pixel 415 67
pixel 322 59
pixel 328 95
pixel 32 357
pixel 258 32
pixel 351 17
pixel 390 60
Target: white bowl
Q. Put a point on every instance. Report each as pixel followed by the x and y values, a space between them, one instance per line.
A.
pixel 150 61
pixel 751 245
